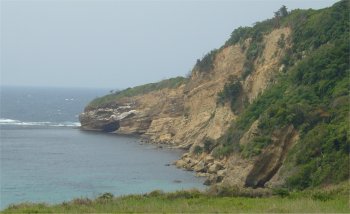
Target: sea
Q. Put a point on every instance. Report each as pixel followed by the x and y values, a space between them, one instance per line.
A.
pixel 45 157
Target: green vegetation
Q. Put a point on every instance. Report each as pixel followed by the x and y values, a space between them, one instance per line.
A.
pixel 231 92
pixel 240 35
pixel 228 143
pixel 256 36
pixel 256 45
pixel 208 146
pixel 232 200
pixel 138 90
pixel 255 49
pixel 207 62
pixel 255 147
pixel 281 41
pixel 282 12
pixel 312 96
pixel 198 150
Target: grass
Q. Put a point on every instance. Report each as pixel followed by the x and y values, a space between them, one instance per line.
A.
pixel 138 90
pixel 334 200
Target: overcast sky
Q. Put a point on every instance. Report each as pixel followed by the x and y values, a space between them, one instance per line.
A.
pixel 118 44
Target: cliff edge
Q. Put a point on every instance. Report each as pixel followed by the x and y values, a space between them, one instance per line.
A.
pixel 246 113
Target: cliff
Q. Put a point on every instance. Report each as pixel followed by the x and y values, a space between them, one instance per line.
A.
pixel 236 114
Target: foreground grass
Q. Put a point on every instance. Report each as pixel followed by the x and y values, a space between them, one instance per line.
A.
pixel 193 205
pixel 197 202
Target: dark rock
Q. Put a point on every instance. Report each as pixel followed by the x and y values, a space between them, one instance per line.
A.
pixel 111 127
pixel 271 159
pixel 207 182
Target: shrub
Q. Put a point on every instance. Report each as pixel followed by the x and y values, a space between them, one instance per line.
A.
pixel 208 145
pixel 197 150
pixel 255 50
pixel 228 191
pixel 235 191
pixel 321 196
pixel 248 68
pixel 223 151
pixel 238 35
pixel 232 90
pixel 81 201
pixel 281 41
pixel 256 146
pixel 207 62
pixel 106 196
pixel 186 194
pixel 282 192
pixel 155 193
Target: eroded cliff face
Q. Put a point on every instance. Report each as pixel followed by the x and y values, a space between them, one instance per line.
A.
pixel 259 170
pixel 185 116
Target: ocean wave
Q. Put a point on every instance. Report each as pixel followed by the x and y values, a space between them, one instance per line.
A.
pixel 4 121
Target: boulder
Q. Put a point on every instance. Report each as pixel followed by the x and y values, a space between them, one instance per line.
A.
pixel 202 174
pixel 215 167
pixel 209 159
pixel 221 173
pixel 187 159
pixel 188 167
pixel 180 163
pixel 207 182
pixel 200 167
pixel 213 179
pixel 193 163
pixel 185 155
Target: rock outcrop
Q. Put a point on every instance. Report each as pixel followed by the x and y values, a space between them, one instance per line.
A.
pixel 107 120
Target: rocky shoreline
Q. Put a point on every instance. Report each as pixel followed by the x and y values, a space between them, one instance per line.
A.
pixel 188 115
pixel 108 120
pixel 204 166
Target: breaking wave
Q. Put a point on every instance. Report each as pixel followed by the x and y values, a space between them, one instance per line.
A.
pixel 4 121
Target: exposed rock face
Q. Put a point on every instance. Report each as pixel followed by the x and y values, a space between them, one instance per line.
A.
pixel 184 116
pixel 271 160
pixel 107 120
pixel 265 71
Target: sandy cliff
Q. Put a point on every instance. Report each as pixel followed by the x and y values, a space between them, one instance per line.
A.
pixel 186 115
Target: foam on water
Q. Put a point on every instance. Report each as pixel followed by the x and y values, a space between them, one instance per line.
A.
pixel 11 122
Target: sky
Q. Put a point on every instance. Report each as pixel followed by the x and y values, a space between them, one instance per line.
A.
pixel 119 44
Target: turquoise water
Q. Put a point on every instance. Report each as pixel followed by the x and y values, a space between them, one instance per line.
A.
pixel 53 161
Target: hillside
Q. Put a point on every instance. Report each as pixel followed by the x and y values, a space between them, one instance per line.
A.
pixel 267 109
